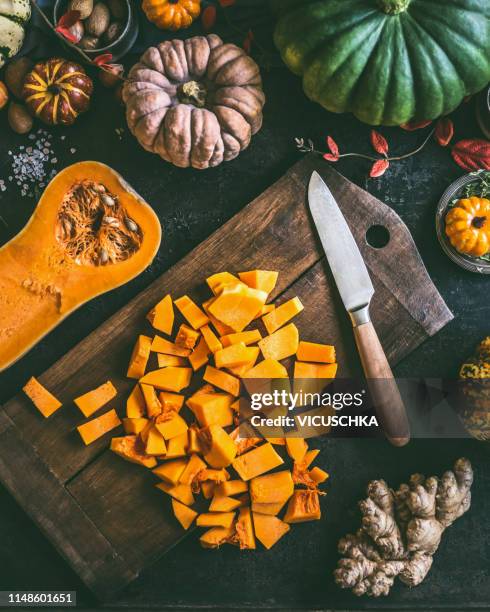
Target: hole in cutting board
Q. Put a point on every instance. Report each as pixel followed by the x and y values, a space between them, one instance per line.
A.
pixel 377 236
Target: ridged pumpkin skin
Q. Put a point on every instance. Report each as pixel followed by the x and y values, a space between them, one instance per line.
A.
pixel 468 226
pixel 195 102
pixel 387 61
pixel 171 14
pixel 42 281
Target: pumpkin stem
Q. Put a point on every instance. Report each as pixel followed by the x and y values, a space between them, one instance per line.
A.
pixel 478 222
pixel 394 7
pixel 192 92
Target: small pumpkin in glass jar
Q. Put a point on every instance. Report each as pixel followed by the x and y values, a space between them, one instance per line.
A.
pixel 468 226
pixel 172 14
pixel 57 91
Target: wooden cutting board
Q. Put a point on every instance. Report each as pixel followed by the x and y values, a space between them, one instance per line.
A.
pixel 102 513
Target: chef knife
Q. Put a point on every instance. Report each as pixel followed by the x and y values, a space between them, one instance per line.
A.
pixel 356 290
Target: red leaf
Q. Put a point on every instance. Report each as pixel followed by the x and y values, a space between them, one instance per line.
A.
pixel 103 60
pixel 226 3
pixel 379 168
pixel 413 125
pixel 330 157
pixel 247 43
pixel 444 131
pixel 380 145
pixel 472 154
pixel 68 19
pixel 66 34
pixel 332 145
pixel 208 17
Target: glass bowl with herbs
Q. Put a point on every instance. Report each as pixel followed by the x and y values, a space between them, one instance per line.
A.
pixel 463 221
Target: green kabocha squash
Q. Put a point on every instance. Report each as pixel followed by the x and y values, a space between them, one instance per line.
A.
pixel 14 14
pixel 387 61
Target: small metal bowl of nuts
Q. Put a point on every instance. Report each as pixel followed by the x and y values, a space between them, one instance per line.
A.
pixel 105 26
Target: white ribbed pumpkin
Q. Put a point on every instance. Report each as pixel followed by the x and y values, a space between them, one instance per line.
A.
pixel 14 14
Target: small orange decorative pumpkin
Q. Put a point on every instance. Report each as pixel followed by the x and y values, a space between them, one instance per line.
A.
pixel 468 226
pixel 57 91
pixel 172 14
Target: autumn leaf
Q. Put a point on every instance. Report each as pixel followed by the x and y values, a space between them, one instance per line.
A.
pixel 380 145
pixel 379 168
pixel 333 147
pixel 415 125
pixel 226 3
pixel 472 154
pixel 330 157
pixel 444 131
pixel 65 32
pixel 208 17
pixel 68 19
pixel 103 60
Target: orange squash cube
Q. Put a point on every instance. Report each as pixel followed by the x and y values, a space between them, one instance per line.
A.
pixel 212 408
pixel 93 400
pixel 134 426
pixel 236 306
pixel 165 361
pixel 318 475
pixel 153 405
pixel 98 427
pixel 207 488
pixel 265 280
pixel 200 355
pixel 271 509
pixel 187 337
pixel 155 443
pixel 211 339
pixel 161 316
pixel 171 471
pixel 314 370
pixel 240 371
pixel 244 531
pixel 171 425
pixel 233 356
pixel 296 448
pixel 191 312
pixel 231 487
pixel 177 446
pixel 224 504
pixel 221 279
pixel 303 506
pixel 135 404
pixel 161 345
pixel 215 519
pixel 192 469
pixel 269 529
pixel 272 488
pixel 282 314
pixel 221 328
pixel 264 310
pixel 180 492
pixel 317 353
pixel 194 444
pixel 216 536
pixel 139 357
pixel 45 402
pixel 219 448
pixel 222 380
pixel 247 337
pixel 281 344
pixel 127 447
pixel 171 401
pixel 168 379
pixel 183 514
pixel 257 461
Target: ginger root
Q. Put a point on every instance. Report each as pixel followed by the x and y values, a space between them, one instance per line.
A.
pixel 401 530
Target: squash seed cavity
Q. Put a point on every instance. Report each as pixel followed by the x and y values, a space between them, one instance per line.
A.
pixel 93 228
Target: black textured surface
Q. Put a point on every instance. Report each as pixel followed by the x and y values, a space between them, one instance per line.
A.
pixel 191 204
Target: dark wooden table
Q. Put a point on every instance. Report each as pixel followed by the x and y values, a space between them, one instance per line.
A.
pixel 191 204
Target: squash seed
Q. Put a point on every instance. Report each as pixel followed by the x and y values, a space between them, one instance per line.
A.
pixel 107 200
pixel 130 224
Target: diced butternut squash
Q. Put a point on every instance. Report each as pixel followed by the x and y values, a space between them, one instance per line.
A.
pixel 171 425
pixel 257 461
pixel 127 448
pixel 236 306
pixel 233 356
pixel 180 492
pixel 191 312
pixel 221 328
pixel 215 519
pixel 187 337
pixel 45 402
pixel 211 339
pixel 265 280
pixel 208 487
pixel 264 310
pixel 155 443
pixel 212 408
pixel 135 404
pixel 318 475
pixel 219 448
pixel 314 370
pixel 303 506
pixel 247 337
pixel 231 487
pixel 200 355
pixel 183 514
pixel 244 531
pixel 297 448
pixel 177 447
pixel 171 401
pixel 310 456
pixel 143 435
pixel 282 314
pixel 161 316
pixel 269 529
pixel 221 278
pixel 216 536
pixel 272 509
pixel 272 488
pixel 153 405
pixel 318 353
pixel 165 361
pixel 213 474
pixel 94 400
pixel 281 344
pixel 240 371
pixel 269 368
pixel 171 471
pixel 224 504
pixel 168 379
pixel 161 345
pixel 139 357
pixel 277 441
pixel 192 469
pixel 222 380
pixel 98 427
pixel 194 444
pixel 134 426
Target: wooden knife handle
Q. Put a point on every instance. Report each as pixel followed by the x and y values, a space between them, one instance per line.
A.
pixel 382 386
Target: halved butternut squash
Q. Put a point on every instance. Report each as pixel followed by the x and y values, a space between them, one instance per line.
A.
pixel 48 270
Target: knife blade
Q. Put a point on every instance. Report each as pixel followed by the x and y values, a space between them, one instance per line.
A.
pixel 343 255
pixel 356 290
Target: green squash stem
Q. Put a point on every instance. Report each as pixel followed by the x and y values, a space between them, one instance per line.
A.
pixel 394 7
